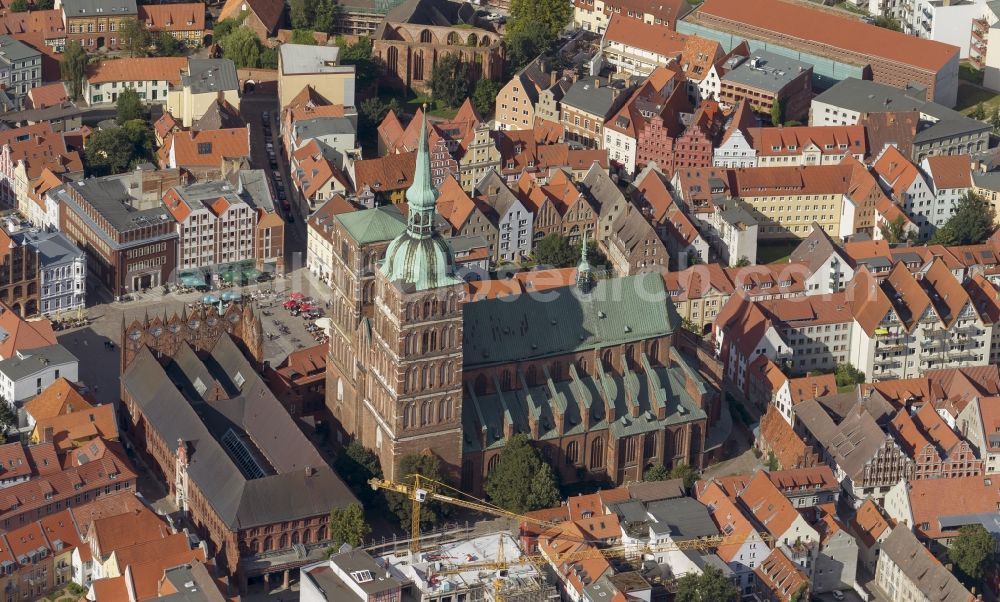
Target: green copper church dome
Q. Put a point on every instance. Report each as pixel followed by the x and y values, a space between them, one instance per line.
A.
pixel 419 256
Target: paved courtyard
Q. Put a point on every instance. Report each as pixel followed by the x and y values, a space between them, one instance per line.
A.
pixel 101 375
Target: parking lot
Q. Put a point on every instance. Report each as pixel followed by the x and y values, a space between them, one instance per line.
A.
pixel 106 324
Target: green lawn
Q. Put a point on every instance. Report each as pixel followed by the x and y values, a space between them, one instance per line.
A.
pixel 434 108
pixel 970 95
pixel 775 251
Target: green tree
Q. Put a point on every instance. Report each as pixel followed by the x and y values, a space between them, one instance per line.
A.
pixel 348 525
pixel 657 473
pixel 847 375
pixel 133 37
pixel 19 6
pixel 555 15
pixel 225 27
pixel 896 232
pixel 167 45
pixel 304 36
pixel 327 15
pixel 972 550
pixel 44 4
pixel 979 112
pixel 522 481
pixel 373 110
pixel 8 419
pixel 710 586
pixel 359 54
pixel 484 97
pixel 772 462
pixel 554 250
pixel 887 23
pixel 971 223
pixel 742 262
pixel 116 150
pixel 268 58
pixel 431 513
pixel 73 67
pixel 449 81
pixel 526 43
pixel 356 464
pixel 242 47
pixel 777 112
pixel 595 257
pixel 301 13
pixel 128 106
pixel 686 472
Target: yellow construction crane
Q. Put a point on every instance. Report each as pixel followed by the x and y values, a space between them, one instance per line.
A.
pixel 424 489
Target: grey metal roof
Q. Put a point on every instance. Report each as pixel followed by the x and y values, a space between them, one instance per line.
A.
pixel 683 518
pixel 302 59
pixel 210 75
pixel 355 560
pixel 170 402
pixel 33 361
pixel 91 8
pixel 772 71
pixel 15 50
pixel 816 249
pixel 586 95
pixel 917 564
pixel 323 126
pixel 256 188
pixel 53 248
pixel 193 584
pixel 989 180
pixel 110 197
pixel 865 96
pixel 218 116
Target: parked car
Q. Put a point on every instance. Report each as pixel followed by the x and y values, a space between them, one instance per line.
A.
pixel 265 116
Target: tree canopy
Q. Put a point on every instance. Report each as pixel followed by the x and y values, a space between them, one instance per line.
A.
pixel 359 54
pixel 348 525
pixel 242 47
pixel 971 551
pixel 356 464
pixel 895 231
pixel 847 375
pixel 556 251
pixel 167 45
pixel 777 112
pixel 73 68
pixel 128 106
pixel 526 43
pixel 304 36
pixel 686 473
pixel 449 81
pixel 554 15
pixel 522 481
pixel 431 513
pixel 19 6
pixel 657 473
pixel 116 150
pixel 710 586
pixel 133 37
pixel 484 96
pixel 971 224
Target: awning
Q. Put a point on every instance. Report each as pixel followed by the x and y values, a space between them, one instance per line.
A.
pixel 231 296
pixel 209 299
pixel 881 331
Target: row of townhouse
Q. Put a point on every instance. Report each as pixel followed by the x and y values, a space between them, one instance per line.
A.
pixel 97 25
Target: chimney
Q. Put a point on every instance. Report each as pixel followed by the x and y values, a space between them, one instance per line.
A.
pixel 48 434
pixel 553 77
pixel 597 82
pixel 310 471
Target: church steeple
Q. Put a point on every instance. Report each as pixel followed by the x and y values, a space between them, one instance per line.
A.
pixel 419 256
pixel 421 195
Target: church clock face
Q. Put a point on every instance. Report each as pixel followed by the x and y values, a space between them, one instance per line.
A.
pixel 194 323
pixel 212 321
pixel 156 331
pixel 135 335
pixel 234 318
pixel 174 328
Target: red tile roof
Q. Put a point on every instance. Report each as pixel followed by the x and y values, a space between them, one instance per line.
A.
pixel 811 387
pixel 782 576
pixel 120 531
pixel 931 499
pixel 792 141
pixel 821 27
pixel 188 16
pixel 137 69
pixel 204 148
pixel 48 95
pixel 868 524
pixel 768 504
pixel 22 334
pixel 950 171
pixel 645 36
pixel 40 147
pixel 268 11
pixel 69 430
pixel 61 397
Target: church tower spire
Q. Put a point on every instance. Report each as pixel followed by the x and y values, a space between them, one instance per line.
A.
pixel 419 256
pixel 584 275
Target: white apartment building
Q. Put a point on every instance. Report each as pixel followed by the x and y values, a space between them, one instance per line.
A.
pixel 910 189
pixel 30 371
pixel 152 78
pixel 215 224
pixel 950 178
pixel 63 270
pixel 736 151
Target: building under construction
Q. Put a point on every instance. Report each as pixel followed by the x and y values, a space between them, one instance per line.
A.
pixel 433 574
